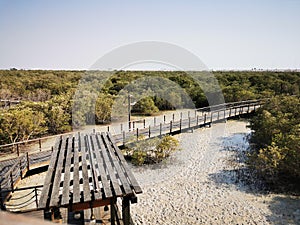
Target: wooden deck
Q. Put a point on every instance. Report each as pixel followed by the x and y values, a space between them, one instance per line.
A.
pixel 86 172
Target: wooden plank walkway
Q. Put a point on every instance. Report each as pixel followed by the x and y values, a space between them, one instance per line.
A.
pixel 206 118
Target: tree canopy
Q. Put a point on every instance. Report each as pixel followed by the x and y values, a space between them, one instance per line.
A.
pixel 66 98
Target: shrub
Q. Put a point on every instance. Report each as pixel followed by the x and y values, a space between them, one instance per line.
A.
pixel 150 151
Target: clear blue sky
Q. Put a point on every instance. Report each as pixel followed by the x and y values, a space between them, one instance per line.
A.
pixel 223 34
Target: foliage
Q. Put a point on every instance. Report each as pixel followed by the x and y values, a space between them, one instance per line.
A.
pixel 145 106
pixel 151 150
pixel 21 124
pixel 276 135
pixel 57 97
pixel 103 108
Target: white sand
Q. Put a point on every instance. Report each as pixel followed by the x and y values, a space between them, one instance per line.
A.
pixel 201 187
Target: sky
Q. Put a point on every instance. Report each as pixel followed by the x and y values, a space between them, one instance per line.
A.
pixel 231 34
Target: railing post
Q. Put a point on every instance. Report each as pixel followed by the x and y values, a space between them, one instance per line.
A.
pixel 11 182
pixel 40 144
pixel 180 125
pixel 195 113
pixel 218 115
pixel 124 137
pixel 229 112
pixel 144 123
pixel 20 165
pixel 160 129
pixel 137 134
pixel 197 122
pixel 154 121
pixel 2 207
pixel 204 119
pixel 189 113
pixel 171 124
pixel 121 127
pixel 36 199
pixel 164 118
pixel 173 117
pixel 180 115
pixel 108 128
pixel 149 134
pixel 189 122
pixel 27 157
pixel 133 125
pixel 18 152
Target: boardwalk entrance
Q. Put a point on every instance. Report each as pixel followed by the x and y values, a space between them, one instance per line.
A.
pixel 86 172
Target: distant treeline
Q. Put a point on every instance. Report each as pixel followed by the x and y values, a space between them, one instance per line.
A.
pixel 48 96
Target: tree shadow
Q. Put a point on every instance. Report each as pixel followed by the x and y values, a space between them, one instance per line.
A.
pixel 285 209
pixel 236 172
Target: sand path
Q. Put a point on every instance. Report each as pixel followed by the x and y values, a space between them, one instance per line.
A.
pixel 201 186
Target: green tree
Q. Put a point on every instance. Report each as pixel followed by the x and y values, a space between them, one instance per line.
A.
pixel 22 124
pixel 276 135
pixel 103 108
pixel 145 106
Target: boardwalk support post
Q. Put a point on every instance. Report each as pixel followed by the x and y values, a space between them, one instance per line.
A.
pixel 126 211
pixel 112 211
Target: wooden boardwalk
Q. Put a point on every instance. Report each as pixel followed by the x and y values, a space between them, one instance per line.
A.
pixel 11 171
pixel 202 117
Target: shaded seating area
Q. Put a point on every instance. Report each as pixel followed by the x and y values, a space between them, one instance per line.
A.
pixel 88 171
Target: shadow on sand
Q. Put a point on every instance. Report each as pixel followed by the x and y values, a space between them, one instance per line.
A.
pixel 285 208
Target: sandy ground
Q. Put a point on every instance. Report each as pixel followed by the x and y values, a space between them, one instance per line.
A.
pixel 201 185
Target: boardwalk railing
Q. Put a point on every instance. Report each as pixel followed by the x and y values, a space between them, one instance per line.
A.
pixel 26 202
pixel 193 120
